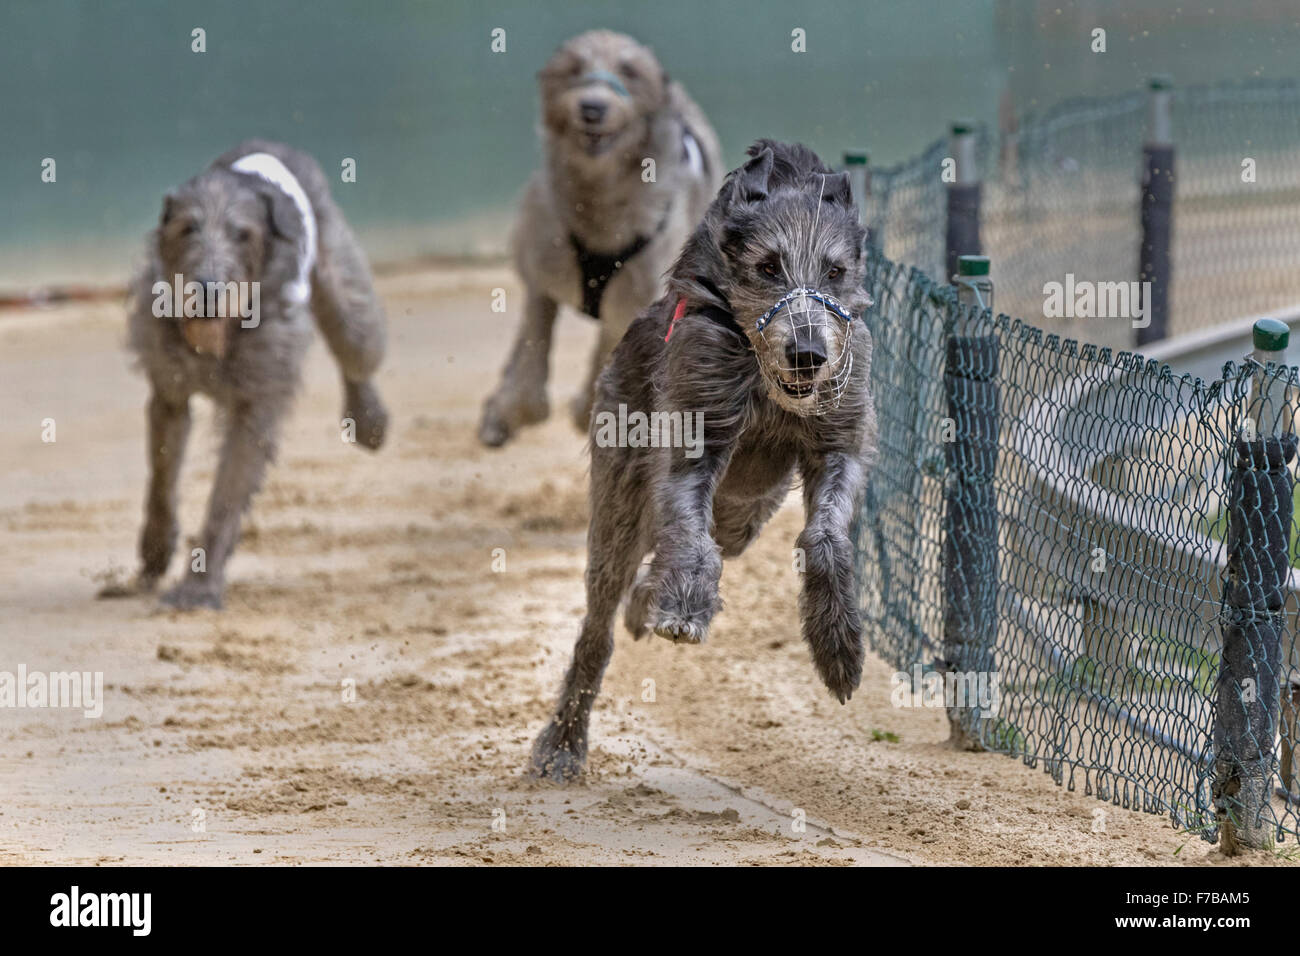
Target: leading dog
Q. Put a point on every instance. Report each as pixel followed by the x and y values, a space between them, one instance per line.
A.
pixel 760 334
pixel 630 166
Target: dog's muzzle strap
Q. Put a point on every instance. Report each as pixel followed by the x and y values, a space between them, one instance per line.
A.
pixel 833 304
pixel 608 79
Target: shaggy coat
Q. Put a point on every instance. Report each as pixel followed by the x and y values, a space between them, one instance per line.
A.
pixel 782 222
pixel 630 164
pixel 233 224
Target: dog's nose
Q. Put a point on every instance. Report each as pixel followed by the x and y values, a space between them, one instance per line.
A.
pixel 204 283
pixel 592 111
pixel 805 354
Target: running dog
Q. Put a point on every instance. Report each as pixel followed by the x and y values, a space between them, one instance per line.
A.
pixel 630 166
pixel 247 256
pixel 762 332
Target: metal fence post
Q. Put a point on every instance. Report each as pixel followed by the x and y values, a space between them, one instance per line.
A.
pixel 857 165
pixel 962 236
pixel 970 524
pixel 1254 615
pixel 1157 210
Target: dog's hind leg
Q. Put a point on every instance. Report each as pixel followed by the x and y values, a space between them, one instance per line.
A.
pixel 351 318
pixel 169 428
pixel 520 399
pixel 615 545
pixel 247 449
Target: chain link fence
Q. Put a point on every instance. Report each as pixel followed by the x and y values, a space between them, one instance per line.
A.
pixel 1061 195
pixel 1095 552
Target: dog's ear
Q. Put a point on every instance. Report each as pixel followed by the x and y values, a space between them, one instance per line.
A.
pixel 751 184
pixel 837 189
pixel 168 209
pixel 282 216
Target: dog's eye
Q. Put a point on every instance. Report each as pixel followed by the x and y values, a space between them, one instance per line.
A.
pixel 834 273
pixel 629 71
pixel 243 236
pixel 771 269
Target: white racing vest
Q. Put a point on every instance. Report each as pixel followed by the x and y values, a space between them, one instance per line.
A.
pixel 275 172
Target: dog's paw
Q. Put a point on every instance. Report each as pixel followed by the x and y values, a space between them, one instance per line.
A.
pixel 493 431
pixel 502 417
pixel 114 587
pixel 842 676
pixel 687 601
pixel 838 654
pixel 555 758
pixel 367 413
pixel 681 630
pixel 191 595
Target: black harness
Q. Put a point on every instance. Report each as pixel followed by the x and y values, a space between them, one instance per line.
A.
pixel 599 267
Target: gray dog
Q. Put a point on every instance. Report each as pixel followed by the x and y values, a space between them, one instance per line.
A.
pixel 630 166
pixel 245 255
pixel 760 339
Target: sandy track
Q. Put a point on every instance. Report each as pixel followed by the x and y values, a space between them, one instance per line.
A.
pixel 377 569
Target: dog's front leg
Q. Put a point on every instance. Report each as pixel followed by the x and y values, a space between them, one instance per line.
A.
pixel 687 564
pixel 520 399
pixel 169 428
pixel 828 604
pixel 246 451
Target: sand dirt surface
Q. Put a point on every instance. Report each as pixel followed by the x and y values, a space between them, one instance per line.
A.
pixel 226 738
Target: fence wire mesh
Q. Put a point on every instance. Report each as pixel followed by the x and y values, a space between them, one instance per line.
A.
pixel 1061 195
pixel 1236 235
pixel 1106 523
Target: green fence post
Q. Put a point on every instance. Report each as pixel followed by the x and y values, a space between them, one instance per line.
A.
pixel 970 520
pixel 962 235
pixel 1157 212
pixel 1254 613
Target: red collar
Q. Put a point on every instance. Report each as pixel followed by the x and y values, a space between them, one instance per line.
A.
pixel 677 314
